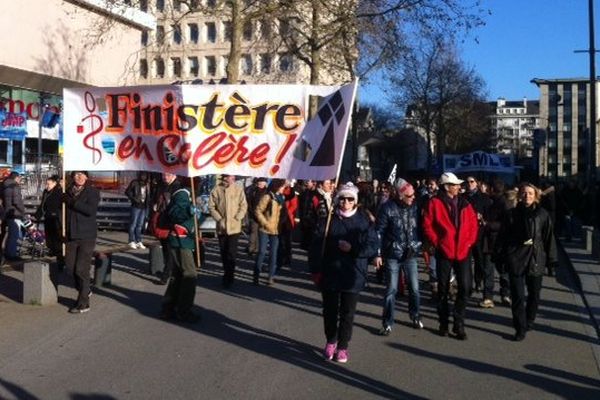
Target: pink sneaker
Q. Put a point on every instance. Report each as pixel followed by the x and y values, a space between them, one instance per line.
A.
pixel 341 356
pixel 329 351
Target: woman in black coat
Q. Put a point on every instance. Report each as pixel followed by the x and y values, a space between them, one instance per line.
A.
pixel 50 210
pixel 528 246
pixel 338 260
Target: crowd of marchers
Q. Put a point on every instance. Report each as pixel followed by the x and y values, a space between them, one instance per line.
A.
pixel 463 232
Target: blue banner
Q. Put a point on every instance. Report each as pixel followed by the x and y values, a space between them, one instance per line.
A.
pixel 13 125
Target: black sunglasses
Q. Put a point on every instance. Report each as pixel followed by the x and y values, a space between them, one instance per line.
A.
pixel 347 198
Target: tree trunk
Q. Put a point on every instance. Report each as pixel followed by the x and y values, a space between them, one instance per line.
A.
pixel 315 50
pixel 235 49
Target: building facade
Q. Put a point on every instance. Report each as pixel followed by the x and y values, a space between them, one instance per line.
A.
pixel 513 126
pixel 564 127
pixel 52 45
pixel 193 46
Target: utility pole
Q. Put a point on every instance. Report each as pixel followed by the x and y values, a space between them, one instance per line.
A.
pixel 591 137
pixel 591 172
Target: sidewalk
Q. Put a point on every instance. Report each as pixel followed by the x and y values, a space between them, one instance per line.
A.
pixel 587 274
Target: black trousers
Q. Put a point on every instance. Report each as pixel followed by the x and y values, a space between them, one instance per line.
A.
pixel 228 246
pixel 462 270
pixel 338 316
pixel 78 260
pixel 480 263
pixel 284 251
pixel 53 230
pixel 524 312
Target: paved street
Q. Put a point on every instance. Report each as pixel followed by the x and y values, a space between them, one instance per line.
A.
pixel 265 342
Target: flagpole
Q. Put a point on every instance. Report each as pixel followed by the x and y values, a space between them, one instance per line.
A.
pixel 196 244
pixel 339 168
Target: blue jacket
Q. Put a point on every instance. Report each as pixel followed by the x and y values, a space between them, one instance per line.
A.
pixel 343 272
pixel 397 228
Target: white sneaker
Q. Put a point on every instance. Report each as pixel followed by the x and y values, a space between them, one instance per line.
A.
pixel 133 245
pixel 140 245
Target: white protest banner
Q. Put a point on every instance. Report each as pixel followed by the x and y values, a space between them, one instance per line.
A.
pixel 190 130
pixel 479 161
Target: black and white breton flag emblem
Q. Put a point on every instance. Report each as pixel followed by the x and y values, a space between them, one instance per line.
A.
pixel 331 112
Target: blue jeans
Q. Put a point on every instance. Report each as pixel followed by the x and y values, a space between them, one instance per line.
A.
pixel 411 272
pixel 13 237
pixel 136 223
pixel 273 241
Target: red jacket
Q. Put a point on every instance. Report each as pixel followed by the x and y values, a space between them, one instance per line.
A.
pixel 291 203
pixel 439 229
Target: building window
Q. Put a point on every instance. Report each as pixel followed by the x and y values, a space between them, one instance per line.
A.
pixel 246 64
pixel 144 68
pixel 265 29
pixel 144 5
pixel 159 67
pixel 285 63
pixel 211 3
pixel 177 5
pixel 211 32
pixel 193 31
pixel 265 63
pixel 227 31
pixel 160 34
pixel 144 38
pixel 284 27
pixel 211 65
pixel 247 31
pixel 194 66
pixel 567 144
pixel 160 5
pixel 176 34
pixel 176 62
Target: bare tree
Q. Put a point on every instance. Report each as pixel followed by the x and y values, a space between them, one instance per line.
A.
pixel 443 96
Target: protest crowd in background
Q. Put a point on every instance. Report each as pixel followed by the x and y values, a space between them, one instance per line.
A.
pixel 460 233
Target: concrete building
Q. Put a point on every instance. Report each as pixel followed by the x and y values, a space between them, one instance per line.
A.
pixel 564 122
pixel 190 46
pixel 513 126
pixel 55 44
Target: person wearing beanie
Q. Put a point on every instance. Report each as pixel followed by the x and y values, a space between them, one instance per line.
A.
pixel 338 259
pixel 398 234
pixel 450 226
pixel 81 200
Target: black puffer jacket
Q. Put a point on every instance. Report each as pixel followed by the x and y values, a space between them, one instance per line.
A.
pixel 344 272
pixel 526 240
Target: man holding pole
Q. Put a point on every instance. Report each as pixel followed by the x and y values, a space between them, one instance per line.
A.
pixel 179 297
pixel 227 205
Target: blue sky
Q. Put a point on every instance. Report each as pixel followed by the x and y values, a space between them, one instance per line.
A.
pixel 522 40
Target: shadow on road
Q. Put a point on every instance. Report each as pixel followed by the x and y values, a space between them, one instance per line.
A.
pixel 558 387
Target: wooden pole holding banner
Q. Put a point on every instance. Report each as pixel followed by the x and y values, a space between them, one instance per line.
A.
pixel 64 216
pixel 196 237
pixel 337 175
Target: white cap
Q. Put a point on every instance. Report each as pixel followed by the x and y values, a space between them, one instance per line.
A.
pixel 450 178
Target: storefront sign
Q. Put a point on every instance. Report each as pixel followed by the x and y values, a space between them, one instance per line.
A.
pixel 250 130
pixel 13 125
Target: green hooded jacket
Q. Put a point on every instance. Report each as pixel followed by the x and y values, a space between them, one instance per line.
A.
pixel 180 214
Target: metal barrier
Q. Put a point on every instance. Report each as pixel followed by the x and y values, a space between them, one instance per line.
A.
pixel 113 210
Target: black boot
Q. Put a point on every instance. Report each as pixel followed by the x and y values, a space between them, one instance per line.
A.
pixel 459 331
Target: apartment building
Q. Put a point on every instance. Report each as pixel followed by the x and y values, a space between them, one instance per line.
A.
pixel 564 122
pixel 513 126
pixel 194 45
